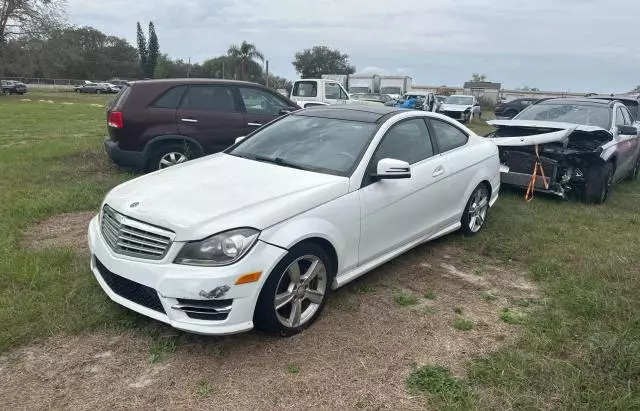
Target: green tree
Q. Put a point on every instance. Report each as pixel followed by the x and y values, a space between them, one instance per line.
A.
pixel 142 49
pixel 245 53
pixel 475 77
pixel 153 52
pixel 319 60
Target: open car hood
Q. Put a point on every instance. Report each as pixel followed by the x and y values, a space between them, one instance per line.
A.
pixel 523 132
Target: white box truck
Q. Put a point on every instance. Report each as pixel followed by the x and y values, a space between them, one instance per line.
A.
pixel 395 86
pixel 364 83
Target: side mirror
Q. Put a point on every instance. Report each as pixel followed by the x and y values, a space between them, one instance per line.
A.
pixel 627 130
pixel 391 169
pixel 239 139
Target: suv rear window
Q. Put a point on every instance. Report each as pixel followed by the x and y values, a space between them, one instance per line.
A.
pixel 305 89
pixel 171 98
pixel 120 98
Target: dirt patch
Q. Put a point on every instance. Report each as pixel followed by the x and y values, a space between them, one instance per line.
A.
pixel 356 356
pixel 62 230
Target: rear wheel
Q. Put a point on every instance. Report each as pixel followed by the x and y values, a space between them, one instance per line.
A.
pixel 476 210
pixel 296 291
pixel 598 182
pixel 170 154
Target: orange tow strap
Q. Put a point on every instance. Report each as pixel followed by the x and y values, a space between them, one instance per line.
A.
pixel 532 184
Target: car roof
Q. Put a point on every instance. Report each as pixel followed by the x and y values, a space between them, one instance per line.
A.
pixel 579 100
pixel 179 81
pixel 367 113
pixel 619 97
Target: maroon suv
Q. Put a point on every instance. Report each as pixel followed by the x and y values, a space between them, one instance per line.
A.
pixel 155 124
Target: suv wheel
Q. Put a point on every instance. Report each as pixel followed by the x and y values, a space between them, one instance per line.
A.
pixel 168 155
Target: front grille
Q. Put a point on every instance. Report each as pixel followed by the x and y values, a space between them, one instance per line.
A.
pixel 132 291
pixel 524 162
pixel 134 238
pixel 454 114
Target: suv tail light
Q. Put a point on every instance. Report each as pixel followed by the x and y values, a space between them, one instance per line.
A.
pixel 115 119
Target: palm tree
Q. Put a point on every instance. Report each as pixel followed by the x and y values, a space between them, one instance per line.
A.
pixel 245 53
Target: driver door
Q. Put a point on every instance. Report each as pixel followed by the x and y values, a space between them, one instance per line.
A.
pixel 395 212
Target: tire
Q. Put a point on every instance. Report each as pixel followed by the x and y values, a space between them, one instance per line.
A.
pixel 633 176
pixel 98 91
pixel 476 210
pixel 282 321
pixel 182 152
pixel 598 183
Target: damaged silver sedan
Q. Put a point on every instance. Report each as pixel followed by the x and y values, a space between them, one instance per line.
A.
pixel 569 147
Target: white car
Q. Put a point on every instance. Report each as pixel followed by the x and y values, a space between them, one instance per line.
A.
pixel 260 234
pixel 461 108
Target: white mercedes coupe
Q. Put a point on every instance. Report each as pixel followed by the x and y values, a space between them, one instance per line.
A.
pixel 258 235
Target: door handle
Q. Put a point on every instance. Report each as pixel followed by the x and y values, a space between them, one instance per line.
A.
pixel 189 120
pixel 438 171
pixel 254 124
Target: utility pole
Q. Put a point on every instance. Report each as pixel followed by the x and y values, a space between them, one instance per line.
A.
pixel 189 68
pixel 223 70
pixel 267 69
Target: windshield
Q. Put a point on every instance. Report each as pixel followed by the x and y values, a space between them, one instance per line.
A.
pixel 583 114
pixel 459 100
pixel 311 143
pixel 390 90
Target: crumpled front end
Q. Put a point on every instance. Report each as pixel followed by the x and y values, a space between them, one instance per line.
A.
pixel 553 159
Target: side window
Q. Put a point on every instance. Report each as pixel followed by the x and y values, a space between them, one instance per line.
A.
pixel 628 120
pixel 408 141
pixel 261 102
pixel 448 136
pixel 619 117
pixel 332 91
pixel 170 98
pixel 305 89
pixel 209 98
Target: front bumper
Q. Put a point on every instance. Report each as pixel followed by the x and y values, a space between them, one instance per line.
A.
pixel 457 115
pixel 137 282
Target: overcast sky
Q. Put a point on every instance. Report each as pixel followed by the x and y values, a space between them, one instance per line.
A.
pixel 576 45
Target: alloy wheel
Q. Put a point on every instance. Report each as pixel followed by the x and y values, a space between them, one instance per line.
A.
pixel 478 207
pixel 300 291
pixel 171 159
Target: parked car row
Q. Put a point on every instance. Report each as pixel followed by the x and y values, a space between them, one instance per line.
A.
pixel 97 88
pixel 295 203
pixel 12 87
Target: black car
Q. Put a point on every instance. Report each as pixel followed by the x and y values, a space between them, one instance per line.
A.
pixel 512 108
pixel 13 87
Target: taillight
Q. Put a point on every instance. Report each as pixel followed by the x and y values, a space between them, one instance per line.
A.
pixel 115 119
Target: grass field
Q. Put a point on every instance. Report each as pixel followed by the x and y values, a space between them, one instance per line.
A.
pixel 580 348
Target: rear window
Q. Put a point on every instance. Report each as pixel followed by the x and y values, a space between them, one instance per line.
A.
pixel 305 89
pixel 120 98
pixel 170 98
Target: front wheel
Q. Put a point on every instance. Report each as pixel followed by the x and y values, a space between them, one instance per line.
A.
pixel 295 292
pixel 476 210
pixel 598 183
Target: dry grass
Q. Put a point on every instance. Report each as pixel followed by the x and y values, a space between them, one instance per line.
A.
pixel 67 230
pixel 358 355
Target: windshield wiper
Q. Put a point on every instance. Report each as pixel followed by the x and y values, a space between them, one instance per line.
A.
pixel 277 160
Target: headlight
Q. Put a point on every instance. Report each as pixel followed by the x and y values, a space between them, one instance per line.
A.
pixel 221 249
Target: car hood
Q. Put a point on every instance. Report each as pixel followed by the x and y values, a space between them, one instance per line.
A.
pixel 221 192
pixel 523 132
pixel 455 107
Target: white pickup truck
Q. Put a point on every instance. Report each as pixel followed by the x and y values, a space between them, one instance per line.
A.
pixel 322 92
